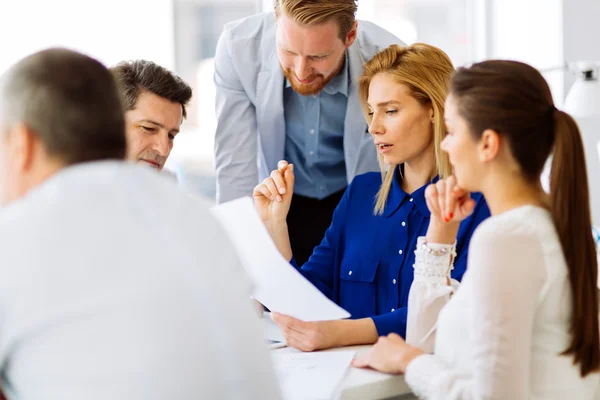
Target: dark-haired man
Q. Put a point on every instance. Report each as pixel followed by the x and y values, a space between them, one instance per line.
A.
pixel 154 100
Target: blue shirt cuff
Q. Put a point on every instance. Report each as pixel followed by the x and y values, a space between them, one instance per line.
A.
pixel 393 322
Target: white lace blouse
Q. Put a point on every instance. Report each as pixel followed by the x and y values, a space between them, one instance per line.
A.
pixel 500 336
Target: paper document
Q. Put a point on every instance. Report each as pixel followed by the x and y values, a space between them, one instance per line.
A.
pixel 277 284
pixel 313 376
pixel 272 331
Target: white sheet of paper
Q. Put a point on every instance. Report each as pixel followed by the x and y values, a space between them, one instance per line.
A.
pixel 277 284
pixel 272 331
pixel 311 375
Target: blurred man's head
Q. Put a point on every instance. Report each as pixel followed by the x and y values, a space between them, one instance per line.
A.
pixel 154 100
pixel 57 108
pixel 312 37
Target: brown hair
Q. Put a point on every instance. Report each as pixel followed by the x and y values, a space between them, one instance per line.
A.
pixel 513 99
pixel 314 12
pixel 426 71
pixel 69 101
pixel 135 77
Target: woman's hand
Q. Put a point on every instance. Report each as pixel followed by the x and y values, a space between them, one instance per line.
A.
pixel 449 205
pixel 390 354
pixel 307 336
pixel 448 202
pixel 272 198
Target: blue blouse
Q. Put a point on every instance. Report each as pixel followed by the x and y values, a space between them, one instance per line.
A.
pixel 365 261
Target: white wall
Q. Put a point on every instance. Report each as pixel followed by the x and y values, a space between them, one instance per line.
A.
pixel 546 34
pixel 110 30
pixel 529 31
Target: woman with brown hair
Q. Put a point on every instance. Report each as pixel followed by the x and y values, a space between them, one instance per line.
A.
pixel 524 323
pixel 365 262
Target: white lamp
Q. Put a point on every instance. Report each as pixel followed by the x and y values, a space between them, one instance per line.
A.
pixel 583 103
pixel 583 100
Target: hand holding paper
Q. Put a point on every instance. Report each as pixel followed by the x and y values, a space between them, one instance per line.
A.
pixel 277 284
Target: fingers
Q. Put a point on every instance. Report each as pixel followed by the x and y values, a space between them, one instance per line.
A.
pixel 289 178
pixel 468 207
pixel 298 343
pixel 281 165
pixel 450 199
pixel 464 204
pixel 366 361
pixel 447 201
pixel 263 190
pixel 370 359
pixel 294 332
pixel 361 362
pixel 259 308
pixel 269 183
pixel 441 198
pixel 279 181
pixel 281 319
pixel 285 322
pixel 431 195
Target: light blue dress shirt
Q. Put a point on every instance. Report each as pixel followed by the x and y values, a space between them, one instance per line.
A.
pixel 314 128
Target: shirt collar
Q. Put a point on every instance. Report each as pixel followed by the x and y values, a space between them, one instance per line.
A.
pixel 339 84
pixel 398 196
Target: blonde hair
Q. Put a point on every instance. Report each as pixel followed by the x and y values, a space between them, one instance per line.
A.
pixel 426 71
pixel 315 12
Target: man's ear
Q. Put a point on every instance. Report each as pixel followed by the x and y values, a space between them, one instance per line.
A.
pixel 351 37
pixel 489 145
pixel 23 144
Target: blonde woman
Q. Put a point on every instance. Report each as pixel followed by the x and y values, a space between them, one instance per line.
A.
pixel 365 261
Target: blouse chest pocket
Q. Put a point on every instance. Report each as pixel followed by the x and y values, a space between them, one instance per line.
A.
pixel 358 289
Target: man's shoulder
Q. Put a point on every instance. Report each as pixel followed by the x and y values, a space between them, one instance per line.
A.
pixel 254 27
pixel 372 38
pixel 249 43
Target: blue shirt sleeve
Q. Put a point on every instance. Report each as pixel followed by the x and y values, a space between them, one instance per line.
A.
pixel 393 322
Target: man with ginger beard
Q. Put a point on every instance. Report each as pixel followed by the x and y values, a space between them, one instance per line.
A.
pixel 286 88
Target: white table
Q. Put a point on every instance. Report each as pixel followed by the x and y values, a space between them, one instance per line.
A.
pixel 367 384
pixel 360 384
